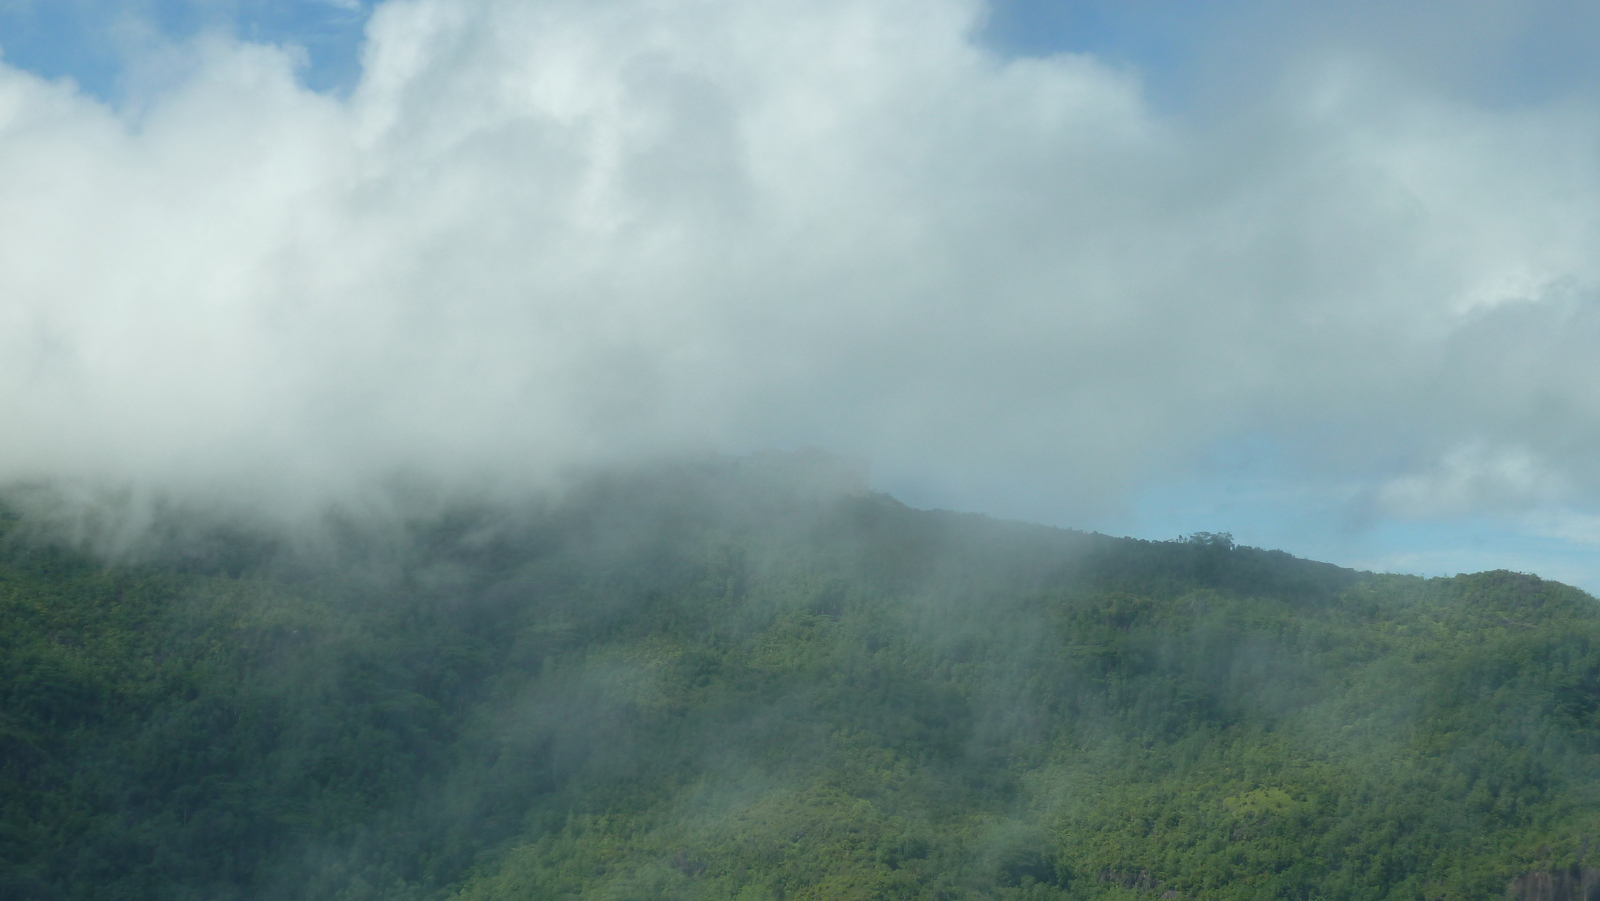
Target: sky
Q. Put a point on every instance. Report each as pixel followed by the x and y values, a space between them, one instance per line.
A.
pixel 1322 276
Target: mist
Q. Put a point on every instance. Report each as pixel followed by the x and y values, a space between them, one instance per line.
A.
pixel 752 677
pixel 539 239
pixel 414 429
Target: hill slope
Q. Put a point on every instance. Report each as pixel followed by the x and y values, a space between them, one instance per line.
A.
pixel 727 681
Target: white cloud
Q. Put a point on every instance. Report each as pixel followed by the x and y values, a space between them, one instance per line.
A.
pixel 539 235
pixel 1471 479
pixel 1569 526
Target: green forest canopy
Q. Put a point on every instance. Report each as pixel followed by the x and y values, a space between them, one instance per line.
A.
pixel 719 681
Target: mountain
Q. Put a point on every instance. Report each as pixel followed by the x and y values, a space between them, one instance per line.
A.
pixel 754 679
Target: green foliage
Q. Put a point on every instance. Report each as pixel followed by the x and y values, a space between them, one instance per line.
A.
pixel 713 685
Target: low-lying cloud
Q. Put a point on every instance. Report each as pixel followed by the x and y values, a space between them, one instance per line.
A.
pixel 539 236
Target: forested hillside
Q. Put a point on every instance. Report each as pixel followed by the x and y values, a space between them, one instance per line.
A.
pixel 739 680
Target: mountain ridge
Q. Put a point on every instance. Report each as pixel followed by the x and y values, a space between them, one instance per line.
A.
pixel 721 680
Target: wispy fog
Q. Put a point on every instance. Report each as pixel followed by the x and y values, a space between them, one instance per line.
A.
pixel 537 237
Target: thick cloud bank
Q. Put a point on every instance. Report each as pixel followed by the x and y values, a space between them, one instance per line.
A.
pixel 545 235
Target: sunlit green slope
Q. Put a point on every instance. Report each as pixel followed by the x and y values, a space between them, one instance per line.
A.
pixel 721 681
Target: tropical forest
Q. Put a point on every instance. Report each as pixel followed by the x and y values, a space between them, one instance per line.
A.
pixel 753 678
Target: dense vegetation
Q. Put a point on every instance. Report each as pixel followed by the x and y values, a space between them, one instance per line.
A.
pixel 721 681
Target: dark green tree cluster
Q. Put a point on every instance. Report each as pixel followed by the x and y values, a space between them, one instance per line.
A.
pixel 716 681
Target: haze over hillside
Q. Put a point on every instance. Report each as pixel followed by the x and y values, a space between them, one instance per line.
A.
pixel 1319 274
pixel 748 678
pixel 383 513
